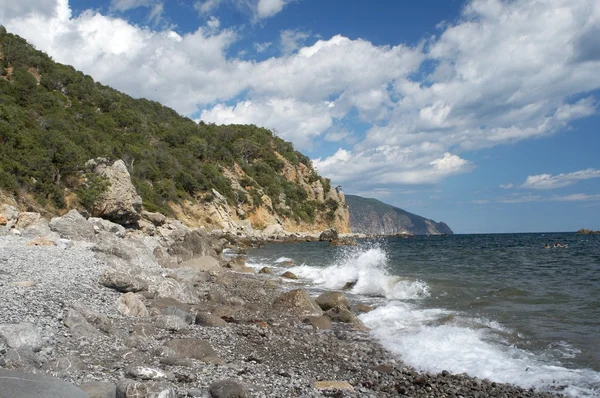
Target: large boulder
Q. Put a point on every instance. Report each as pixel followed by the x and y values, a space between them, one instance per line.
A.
pixel 328 235
pixel 194 244
pixel 28 385
pixel 120 203
pixel 123 282
pixel 130 304
pixel 26 219
pixel 73 226
pixel 297 302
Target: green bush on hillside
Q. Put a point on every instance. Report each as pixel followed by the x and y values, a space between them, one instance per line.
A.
pixel 54 118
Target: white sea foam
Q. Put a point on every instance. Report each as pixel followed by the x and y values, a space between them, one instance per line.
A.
pixel 283 260
pixel 368 268
pixel 430 345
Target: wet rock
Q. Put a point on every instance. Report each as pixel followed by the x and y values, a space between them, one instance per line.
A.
pixel 99 389
pixel 73 226
pixel 297 302
pixel 362 308
pixel 343 241
pixel 265 270
pixel 328 235
pixel 330 300
pixel 228 389
pixel 209 320
pixel 21 335
pixel 342 314
pixel 28 385
pixel 127 388
pixel 130 304
pixel 289 275
pixel 349 285
pixel 122 281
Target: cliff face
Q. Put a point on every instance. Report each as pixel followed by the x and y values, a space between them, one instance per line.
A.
pixel 271 218
pixel 372 217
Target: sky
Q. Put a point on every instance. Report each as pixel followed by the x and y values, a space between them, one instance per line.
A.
pixel 483 114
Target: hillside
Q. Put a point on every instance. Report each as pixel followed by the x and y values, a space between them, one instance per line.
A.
pixel 53 119
pixel 372 217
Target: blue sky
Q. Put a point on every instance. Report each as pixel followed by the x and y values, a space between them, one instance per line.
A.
pixel 482 113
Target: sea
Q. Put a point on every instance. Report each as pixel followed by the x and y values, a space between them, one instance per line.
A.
pixel 497 306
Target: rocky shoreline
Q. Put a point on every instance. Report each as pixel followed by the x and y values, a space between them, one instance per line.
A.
pixel 125 313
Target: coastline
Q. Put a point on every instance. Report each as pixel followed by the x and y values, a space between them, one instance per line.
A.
pixel 90 331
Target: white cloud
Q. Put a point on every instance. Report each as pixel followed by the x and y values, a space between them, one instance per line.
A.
pixel 503 72
pixel 124 5
pixel 268 8
pixel 291 40
pixel 260 9
pixel 262 47
pixel 576 197
pixel 213 22
pixel 548 181
pixel 517 198
pixel 207 6
pixel 507 186
pixel 293 120
pixel 10 9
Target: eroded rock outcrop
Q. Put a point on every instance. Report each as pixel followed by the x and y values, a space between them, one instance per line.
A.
pixel 120 203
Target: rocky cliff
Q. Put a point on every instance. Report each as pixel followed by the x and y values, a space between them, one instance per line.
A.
pixel 372 217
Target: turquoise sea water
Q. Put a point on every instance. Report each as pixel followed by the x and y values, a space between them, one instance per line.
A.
pixel 497 306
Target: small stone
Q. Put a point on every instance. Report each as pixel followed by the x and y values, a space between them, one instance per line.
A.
pixel 99 389
pixel 170 322
pixel 23 284
pixel 333 385
pixel 209 320
pixel 41 242
pixel 228 389
pixel 265 270
pixel 144 372
pixel 289 275
pixel 127 388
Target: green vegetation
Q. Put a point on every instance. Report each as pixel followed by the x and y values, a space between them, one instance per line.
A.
pixel 54 118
